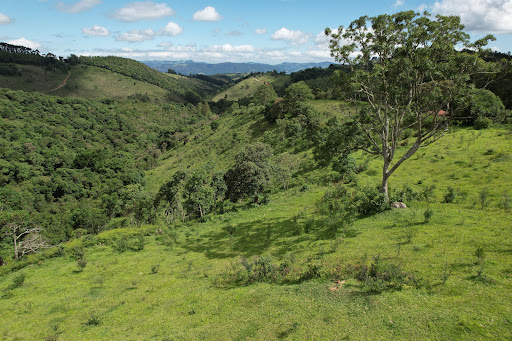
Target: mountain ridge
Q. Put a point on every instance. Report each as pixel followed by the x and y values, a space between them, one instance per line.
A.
pixel 191 67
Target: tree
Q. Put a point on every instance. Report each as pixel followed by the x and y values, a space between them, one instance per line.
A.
pixel 199 192
pixel 251 174
pixel 405 73
pixel 265 94
pixel 171 193
pixel 298 92
pixel 25 238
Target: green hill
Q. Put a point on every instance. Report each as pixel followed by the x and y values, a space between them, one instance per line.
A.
pixel 188 282
pixel 160 220
pixel 108 77
pixel 248 86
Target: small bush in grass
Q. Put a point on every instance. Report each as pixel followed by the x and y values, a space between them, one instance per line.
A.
pixel 506 202
pixel 427 193
pixel 480 261
pixel 483 196
pixel 429 212
pixel 155 268
pixel 140 243
pixel 81 263
pixel 93 319
pixel 380 276
pixel 121 244
pixel 449 196
pixel 17 281
pixel 77 252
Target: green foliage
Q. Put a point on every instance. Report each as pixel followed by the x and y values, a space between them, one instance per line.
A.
pixel 265 95
pixel 298 92
pixel 81 263
pixel 450 195
pixel 419 72
pixel 479 107
pixel 381 276
pixel 251 174
pixel 17 281
pixel 429 212
pixel 344 164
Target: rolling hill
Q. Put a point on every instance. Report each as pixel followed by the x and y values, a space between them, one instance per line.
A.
pixel 133 194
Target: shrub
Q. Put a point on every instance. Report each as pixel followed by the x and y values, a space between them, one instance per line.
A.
pixel 370 201
pixel 155 268
pixel 482 123
pixel 81 263
pixel 483 196
pixel 380 276
pixel 344 164
pixel 428 214
pixel 17 281
pixel 449 197
pixel 93 319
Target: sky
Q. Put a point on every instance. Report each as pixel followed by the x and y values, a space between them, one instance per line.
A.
pixel 263 31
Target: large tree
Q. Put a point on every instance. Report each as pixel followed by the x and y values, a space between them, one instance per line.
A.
pixel 406 70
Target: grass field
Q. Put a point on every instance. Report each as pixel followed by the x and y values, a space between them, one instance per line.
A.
pixel 248 87
pixel 176 289
pixel 93 82
pixel 33 78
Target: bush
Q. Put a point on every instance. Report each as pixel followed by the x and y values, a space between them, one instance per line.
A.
pixel 344 164
pixel 380 276
pixel 17 281
pixel 449 197
pixel 371 201
pixel 482 123
pixel 428 214
pixel 81 263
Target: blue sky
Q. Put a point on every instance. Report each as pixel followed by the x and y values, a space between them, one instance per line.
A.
pixel 268 31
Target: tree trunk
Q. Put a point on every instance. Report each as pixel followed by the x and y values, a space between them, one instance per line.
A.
pixel 384 187
pixel 15 238
pixel 385 178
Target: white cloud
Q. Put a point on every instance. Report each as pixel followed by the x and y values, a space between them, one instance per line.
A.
pixel 95 31
pixel 261 31
pixel 148 10
pixel 136 35
pixel 77 7
pixel 207 14
pixel 171 29
pixel 294 37
pixel 4 19
pixel 398 3
pixel 230 48
pixel 25 42
pixel 487 16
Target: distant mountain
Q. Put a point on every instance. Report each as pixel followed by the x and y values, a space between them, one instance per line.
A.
pixel 190 67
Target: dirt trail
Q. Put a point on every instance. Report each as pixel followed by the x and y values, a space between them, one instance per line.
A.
pixel 63 83
pixel 259 80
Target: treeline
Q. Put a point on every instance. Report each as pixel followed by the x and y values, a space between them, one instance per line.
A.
pixel 26 56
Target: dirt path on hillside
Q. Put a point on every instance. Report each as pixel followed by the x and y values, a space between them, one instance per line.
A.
pixel 63 83
pixel 259 80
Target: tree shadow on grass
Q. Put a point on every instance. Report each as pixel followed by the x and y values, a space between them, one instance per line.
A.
pixel 277 236
pixel 248 239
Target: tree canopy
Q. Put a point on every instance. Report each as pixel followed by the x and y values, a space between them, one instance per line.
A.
pixel 406 71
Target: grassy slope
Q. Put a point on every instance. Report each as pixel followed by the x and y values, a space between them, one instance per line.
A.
pixel 33 78
pixel 94 82
pixel 181 301
pixel 248 86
